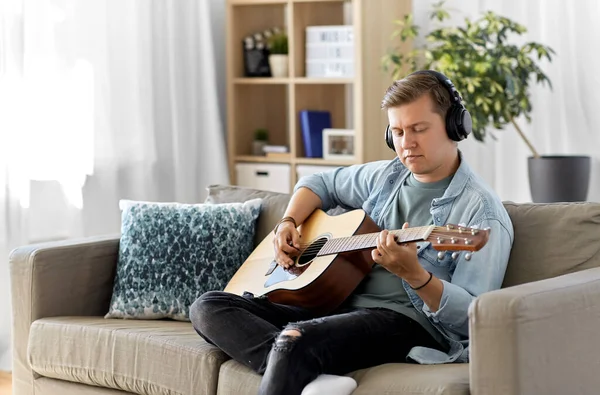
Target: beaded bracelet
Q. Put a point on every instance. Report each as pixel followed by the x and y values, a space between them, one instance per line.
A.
pixel 282 220
pixel 427 282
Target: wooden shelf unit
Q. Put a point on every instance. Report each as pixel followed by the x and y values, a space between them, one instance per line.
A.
pixel 274 103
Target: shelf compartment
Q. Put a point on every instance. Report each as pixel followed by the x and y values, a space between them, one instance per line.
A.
pixel 314 13
pixel 259 106
pixel 247 18
pixel 330 98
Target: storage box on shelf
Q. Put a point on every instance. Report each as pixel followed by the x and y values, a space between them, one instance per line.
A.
pixel 273 177
pixel 335 50
pixel 330 51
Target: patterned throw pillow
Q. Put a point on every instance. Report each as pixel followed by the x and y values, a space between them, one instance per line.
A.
pixel 171 253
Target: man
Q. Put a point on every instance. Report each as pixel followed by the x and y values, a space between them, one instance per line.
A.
pixel 413 305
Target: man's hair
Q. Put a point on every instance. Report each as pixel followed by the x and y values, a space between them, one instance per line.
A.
pixel 412 87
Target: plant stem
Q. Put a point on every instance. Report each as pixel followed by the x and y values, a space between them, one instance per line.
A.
pixel 535 153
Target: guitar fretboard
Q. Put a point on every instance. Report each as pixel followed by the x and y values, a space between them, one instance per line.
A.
pixel 369 240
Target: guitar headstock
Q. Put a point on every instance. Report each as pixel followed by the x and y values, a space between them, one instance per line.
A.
pixel 458 238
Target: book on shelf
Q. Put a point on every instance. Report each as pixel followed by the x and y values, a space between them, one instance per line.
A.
pixel 312 124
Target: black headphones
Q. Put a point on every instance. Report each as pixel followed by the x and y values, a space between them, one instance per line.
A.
pixel 458 119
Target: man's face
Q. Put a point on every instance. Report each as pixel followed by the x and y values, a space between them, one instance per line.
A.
pixel 421 141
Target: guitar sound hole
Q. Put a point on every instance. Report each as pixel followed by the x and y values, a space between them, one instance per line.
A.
pixel 311 252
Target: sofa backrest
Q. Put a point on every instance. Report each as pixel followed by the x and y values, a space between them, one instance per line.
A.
pixel 550 239
pixel 272 210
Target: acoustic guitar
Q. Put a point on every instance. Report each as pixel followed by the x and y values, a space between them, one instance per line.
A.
pixel 335 256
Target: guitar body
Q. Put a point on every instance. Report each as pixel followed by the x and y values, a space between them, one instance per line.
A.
pixel 335 257
pixel 318 283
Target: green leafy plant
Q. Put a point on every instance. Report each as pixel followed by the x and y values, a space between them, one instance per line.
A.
pixel 493 75
pixel 278 44
pixel 261 135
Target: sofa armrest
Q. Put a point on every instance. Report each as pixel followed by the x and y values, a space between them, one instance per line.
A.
pixel 537 338
pixel 66 278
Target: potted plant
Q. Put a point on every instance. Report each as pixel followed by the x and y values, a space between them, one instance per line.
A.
pixel 261 137
pixel 494 77
pixel 278 54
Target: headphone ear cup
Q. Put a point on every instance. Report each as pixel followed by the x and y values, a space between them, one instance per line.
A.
pixel 452 124
pixel 389 139
pixel 466 125
pixel 458 123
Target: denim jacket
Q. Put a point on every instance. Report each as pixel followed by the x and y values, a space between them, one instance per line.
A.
pixel 467 201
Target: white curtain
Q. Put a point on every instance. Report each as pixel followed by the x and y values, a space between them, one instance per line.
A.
pixel 102 100
pixel 564 120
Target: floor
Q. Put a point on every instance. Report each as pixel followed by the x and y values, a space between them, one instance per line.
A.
pixel 5 383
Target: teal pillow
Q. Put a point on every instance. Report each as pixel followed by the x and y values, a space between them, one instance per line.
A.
pixel 171 253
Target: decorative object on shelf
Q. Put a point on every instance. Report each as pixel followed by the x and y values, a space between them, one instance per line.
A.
pixel 312 124
pixel 261 138
pixel 256 54
pixel 330 51
pixel 278 149
pixel 280 152
pixel 278 54
pixel 494 76
pixel 338 144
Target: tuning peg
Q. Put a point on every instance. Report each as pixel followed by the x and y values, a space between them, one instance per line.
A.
pixel 441 255
pixel 454 255
pixel 474 232
pixel 468 256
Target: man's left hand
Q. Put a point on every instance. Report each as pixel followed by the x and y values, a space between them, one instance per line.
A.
pixel 400 259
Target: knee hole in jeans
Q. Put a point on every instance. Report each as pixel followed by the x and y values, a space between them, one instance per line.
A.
pixel 287 338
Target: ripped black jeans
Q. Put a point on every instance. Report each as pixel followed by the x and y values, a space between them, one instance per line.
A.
pixel 263 336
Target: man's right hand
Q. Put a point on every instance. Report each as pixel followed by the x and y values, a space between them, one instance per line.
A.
pixel 286 244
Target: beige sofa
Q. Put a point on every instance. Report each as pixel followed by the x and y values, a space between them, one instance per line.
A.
pixel 537 335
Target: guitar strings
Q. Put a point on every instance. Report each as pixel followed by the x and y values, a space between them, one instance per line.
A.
pixel 315 248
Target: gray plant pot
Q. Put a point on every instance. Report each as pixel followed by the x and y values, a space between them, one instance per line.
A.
pixel 559 178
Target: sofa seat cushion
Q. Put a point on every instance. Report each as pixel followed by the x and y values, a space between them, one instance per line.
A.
pixel 403 378
pixel 388 379
pixel 143 357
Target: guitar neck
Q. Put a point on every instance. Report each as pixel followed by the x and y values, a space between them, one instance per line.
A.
pixel 369 240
